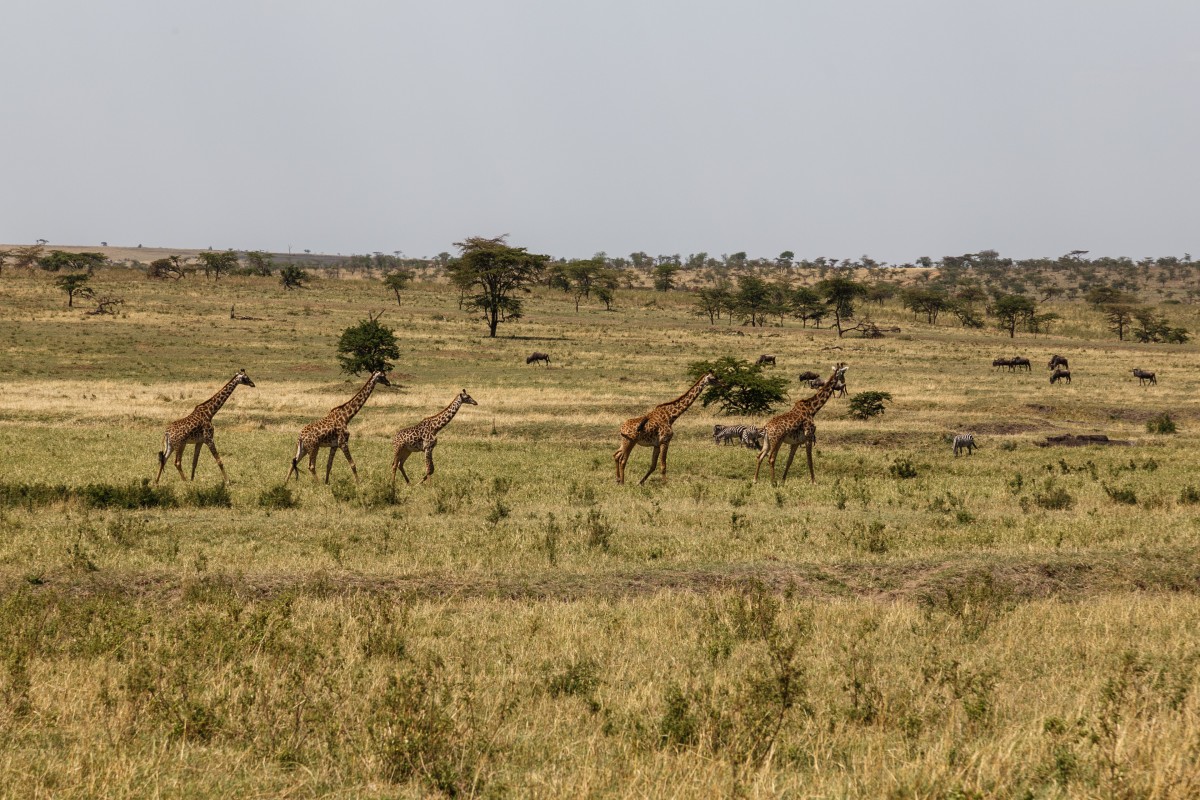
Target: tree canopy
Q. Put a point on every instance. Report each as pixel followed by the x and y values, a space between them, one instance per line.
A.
pixel 367 346
pixel 496 273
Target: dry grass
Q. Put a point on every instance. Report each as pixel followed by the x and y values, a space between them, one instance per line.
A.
pixel 1000 624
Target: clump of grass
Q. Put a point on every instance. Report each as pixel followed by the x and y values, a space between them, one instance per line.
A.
pixel 29 495
pixel 1189 496
pixel 277 497
pixel 579 678
pixel 1124 495
pixel 902 469
pixel 134 495
pixel 1161 424
pixel 214 497
pixel 1054 498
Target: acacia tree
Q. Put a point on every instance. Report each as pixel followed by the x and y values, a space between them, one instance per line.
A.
pixel 261 263
pixel 929 301
pixel 753 299
pixel 75 286
pixel 496 273
pixel 293 277
pixel 840 295
pixel 367 346
pixel 4 256
pixel 1012 311
pixel 217 262
pixel 57 260
pixel 397 280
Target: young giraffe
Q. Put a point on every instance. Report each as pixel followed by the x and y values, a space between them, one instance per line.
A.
pixel 330 431
pixel 196 428
pixel 654 430
pixel 422 437
pixel 797 426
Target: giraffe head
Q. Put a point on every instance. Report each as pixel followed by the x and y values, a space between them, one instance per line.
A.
pixel 711 379
pixel 378 376
pixel 243 378
pixel 466 398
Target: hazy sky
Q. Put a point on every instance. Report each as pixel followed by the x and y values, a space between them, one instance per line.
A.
pixel 894 128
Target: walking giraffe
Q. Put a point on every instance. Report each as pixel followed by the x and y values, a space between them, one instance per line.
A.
pixel 330 431
pixel 654 430
pixel 797 426
pixel 422 437
pixel 196 428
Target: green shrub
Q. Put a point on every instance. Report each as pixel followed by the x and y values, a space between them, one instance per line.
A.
pixel 902 469
pixel 215 497
pixel 744 388
pixel 1124 495
pixel 865 405
pixel 1054 498
pixel 1189 496
pixel 134 495
pixel 277 497
pixel 1162 424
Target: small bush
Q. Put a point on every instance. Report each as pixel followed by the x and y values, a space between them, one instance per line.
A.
pixel 1125 496
pixel 216 497
pixel 865 405
pixel 1189 496
pixel 1055 498
pixel 135 495
pixel 902 469
pixel 277 497
pixel 1162 424
pixel 578 679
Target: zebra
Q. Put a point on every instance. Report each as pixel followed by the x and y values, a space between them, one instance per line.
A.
pixel 724 434
pixel 964 441
pixel 1061 374
pixel 752 438
pixel 1058 361
pixel 1143 376
pixel 535 357
pixel 764 359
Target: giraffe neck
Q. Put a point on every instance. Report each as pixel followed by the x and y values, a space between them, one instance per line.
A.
pixel 348 409
pixel 676 407
pixel 813 404
pixel 442 419
pixel 213 404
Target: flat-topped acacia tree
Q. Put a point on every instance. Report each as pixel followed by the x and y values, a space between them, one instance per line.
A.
pixel 496 273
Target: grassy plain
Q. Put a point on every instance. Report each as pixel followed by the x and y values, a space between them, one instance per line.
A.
pixel 1020 622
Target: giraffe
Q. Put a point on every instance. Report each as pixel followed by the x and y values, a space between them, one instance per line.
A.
pixel 654 429
pixel 330 431
pixel 196 428
pixel 797 426
pixel 422 437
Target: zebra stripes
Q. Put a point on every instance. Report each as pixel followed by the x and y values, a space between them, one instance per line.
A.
pixel 965 441
pixel 748 435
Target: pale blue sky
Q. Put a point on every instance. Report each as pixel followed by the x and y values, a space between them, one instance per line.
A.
pixel 891 128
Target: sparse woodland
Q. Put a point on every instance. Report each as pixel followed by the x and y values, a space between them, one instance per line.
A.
pixel 1017 622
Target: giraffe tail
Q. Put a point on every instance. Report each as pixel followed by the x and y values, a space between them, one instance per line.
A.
pixel 642 425
pixel 162 459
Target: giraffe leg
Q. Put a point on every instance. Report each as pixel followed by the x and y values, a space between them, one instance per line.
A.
pixel 329 463
pixel 662 460
pixel 295 461
pixel 761 455
pixel 212 448
pixel 196 458
pixel 312 462
pixel 653 464
pixel 808 443
pixel 179 462
pixel 401 456
pixel 353 469
pixel 788 465
pixel 162 458
pixel 429 461
pixel 622 458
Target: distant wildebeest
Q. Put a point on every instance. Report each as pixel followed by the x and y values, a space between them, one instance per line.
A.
pixel 807 377
pixel 1061 374
pixel 536 357
pixel 764 359
pixel 1143 376
pixel 1058 361
pixel 1021 361
pixel 1002 362
pixel 964 441
pixel 839 388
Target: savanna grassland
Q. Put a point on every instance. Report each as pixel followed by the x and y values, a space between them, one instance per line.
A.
pixel 1016 623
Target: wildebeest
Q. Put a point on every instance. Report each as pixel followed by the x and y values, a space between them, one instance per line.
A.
pixel 536 357
pixel 1002 362
pixel 1058 361
pixel 764 359
pixel 1021 361
pixel 807 377
pixel 1061 374
pixel 965 441
pixel 1143 376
